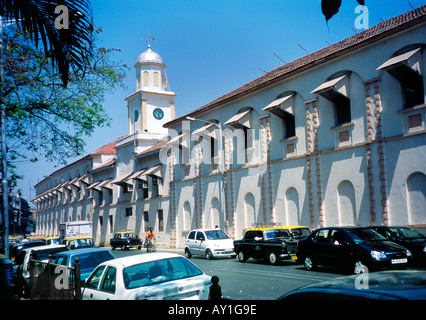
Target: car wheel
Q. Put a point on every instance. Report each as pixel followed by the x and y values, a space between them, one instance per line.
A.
pixel 209 254
pixel 140 247
pixel 241 257
pixel 188 253
pixel 359 267
pixel 272 258
pixel 309 263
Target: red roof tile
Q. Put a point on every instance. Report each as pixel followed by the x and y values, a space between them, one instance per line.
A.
pixel 106 149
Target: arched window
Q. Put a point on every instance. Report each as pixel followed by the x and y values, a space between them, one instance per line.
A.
pixel 156 79
pixel 146 78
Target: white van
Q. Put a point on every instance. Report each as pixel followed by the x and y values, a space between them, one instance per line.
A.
pixel 211 243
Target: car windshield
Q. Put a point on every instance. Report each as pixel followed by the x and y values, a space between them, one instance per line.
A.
pixel 81 243
pixel 129 235
pixel 216 235
pixel 407 233
pixel 276 233
pixel 160 271
pixel 364 234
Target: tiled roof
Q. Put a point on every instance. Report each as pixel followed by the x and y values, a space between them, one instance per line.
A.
pixel 106 149
pixel 375 33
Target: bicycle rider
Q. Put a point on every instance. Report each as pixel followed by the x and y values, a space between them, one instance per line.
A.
pixel 150 235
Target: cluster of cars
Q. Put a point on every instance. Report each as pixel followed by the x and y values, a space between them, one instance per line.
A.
pixel 356 249
pixel 153 276
pixel 43 249
pixel 172 276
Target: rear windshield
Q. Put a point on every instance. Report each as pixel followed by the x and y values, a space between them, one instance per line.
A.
pixel 407 233
pixel 276 233
pixel 149 273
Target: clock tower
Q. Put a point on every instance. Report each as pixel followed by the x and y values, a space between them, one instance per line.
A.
pixel 153 103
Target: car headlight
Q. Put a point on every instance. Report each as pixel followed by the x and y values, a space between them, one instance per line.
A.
pixel 378 255
pixel 424 249
pixel 408 253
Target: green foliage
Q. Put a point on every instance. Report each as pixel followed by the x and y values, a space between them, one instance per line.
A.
pixel 44 117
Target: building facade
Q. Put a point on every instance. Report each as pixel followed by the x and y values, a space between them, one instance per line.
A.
pixel 334 138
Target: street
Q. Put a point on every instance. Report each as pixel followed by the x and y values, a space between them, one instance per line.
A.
pixel 253 280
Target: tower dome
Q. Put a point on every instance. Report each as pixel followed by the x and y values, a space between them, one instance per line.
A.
pixel 149 57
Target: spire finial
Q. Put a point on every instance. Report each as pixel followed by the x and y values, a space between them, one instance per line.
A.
pixel 149 38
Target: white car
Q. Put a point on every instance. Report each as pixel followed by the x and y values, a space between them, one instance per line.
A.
pixel 210 243
pixel 154 276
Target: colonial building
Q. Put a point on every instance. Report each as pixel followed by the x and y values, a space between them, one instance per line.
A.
pixel 336 137
pixel 119 186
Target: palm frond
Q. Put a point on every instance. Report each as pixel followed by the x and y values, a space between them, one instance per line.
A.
pixel 69 48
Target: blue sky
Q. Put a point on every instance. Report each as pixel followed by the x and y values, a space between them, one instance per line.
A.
pixel 211 47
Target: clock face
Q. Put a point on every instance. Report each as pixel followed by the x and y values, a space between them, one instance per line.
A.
pixel 158 113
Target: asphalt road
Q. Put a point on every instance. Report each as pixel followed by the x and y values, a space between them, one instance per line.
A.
pixel 254 279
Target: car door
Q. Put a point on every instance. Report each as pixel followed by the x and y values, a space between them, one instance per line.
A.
pixel 190 241
pixel 204 243
pixel 107 286
pixel 257 248
pixel 339 247
pixel 320 246
pixel 200 242
pixel 90 291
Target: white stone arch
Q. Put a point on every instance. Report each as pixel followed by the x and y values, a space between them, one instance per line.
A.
pixel 249 210
pixel 187 216
pixel 292 207
pixel 416 198
pixel 347 215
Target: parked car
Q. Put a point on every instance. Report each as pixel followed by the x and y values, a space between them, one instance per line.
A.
pixel 354 248
pixel 14 251
pixel 274 243
pixel 210 243
pixel 154 276
pixel 126 240
pixel 88 258
pixel 383 285
pixel 407 237
pixel 21 264
pixel 79 242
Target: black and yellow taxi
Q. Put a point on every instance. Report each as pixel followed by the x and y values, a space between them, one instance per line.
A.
pixel 273 243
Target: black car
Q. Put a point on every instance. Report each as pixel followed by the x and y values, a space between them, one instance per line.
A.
pixel 384 285
pixel 353 248
pixel 126 240
pixel 407 237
